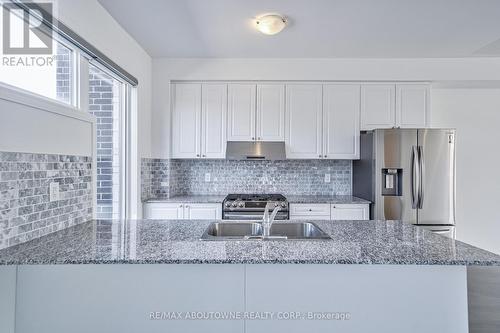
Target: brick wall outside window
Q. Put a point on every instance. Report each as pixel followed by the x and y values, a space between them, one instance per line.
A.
pixel 104 104
pixel 104 101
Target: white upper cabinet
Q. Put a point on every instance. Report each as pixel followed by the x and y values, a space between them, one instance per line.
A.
pixel 213 122
pixel 378 106
pixel 303 133
pixel 341 109
pixel 316 120
pixel 404 105
pixel 199 120
pixel 186 118
pixel 412 105
pixel 241 112
pixel 270 112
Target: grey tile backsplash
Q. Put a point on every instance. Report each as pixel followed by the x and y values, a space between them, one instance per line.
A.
pixel 25 209
pixel 166 178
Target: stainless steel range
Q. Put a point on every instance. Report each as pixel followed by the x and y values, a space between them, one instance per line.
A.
pixel 252 206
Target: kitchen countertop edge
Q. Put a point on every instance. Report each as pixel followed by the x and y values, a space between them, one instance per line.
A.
pixel 293 199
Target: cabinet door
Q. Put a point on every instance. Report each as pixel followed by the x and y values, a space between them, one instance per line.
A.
pixel 412 105
pixel 378 106
pixel 309 211
pixel 186 119
pixel 270 112
pixel 213 123
pixel 198 211
pixel 241 112
pixel 350 212
pixel 341 105
pixel 164 211
pixel 303 133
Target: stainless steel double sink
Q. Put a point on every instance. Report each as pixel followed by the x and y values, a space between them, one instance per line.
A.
pixel 254 230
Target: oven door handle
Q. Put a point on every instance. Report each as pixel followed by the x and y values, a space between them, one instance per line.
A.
pixel 232 216
pixel 243 216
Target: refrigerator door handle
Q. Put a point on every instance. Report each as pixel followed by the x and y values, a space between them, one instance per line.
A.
pixel 420 153
pixel 414 174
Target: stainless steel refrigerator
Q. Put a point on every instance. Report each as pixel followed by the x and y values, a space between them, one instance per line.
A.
pixel 409 175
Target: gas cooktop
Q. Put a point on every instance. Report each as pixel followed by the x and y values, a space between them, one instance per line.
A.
pixel 255 197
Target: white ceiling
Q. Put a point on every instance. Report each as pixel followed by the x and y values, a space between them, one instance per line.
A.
pixel 318 28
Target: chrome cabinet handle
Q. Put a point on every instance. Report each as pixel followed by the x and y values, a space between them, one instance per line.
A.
pixel 420 151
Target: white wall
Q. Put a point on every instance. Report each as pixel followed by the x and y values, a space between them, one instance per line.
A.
pixel 475 113
pixel 165 70
pixel 91 21
pixel 30 124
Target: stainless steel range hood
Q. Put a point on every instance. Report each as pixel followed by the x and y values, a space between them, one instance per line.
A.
pixel 255 151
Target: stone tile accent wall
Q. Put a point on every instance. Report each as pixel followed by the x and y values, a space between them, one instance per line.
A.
pixel 155 177
pixel 292 177
pixel 25 209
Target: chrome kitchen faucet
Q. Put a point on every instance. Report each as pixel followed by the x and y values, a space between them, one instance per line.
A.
pixel 267 220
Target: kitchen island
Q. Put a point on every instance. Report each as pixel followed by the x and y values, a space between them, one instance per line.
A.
pixel 383 274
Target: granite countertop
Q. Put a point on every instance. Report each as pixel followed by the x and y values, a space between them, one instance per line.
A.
pixel 332 199
pixel 177 242
pixel 190 199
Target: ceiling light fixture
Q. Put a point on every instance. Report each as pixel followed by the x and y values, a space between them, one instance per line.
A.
pixel 270 24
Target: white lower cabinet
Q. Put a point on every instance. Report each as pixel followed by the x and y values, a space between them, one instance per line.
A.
pixel 329 212
pixel 182 211
pixel 202 211
pixel 164 211
pixel 309 211
pixel 350 212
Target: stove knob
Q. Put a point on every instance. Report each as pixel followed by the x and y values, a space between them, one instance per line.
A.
pixel 283 204
pixel 241 205
pixel 276 204
pixel 233 204
pixel 228 204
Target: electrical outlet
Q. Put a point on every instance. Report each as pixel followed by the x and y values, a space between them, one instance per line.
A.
pixel 207 177
pixel 163 184
pixel 54 191
pixel 327 177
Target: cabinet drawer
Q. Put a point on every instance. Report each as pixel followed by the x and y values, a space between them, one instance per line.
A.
pixel 310 211
pixel 163 211
pixel 202 211
pixel 350 212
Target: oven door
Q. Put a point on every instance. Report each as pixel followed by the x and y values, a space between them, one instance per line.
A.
pixel 252 216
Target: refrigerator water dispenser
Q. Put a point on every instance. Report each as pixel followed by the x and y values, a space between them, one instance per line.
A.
pixel 392 182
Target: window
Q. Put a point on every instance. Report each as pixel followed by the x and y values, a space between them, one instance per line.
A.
pixel 107 104
pixel 51 77
pixel 74 72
